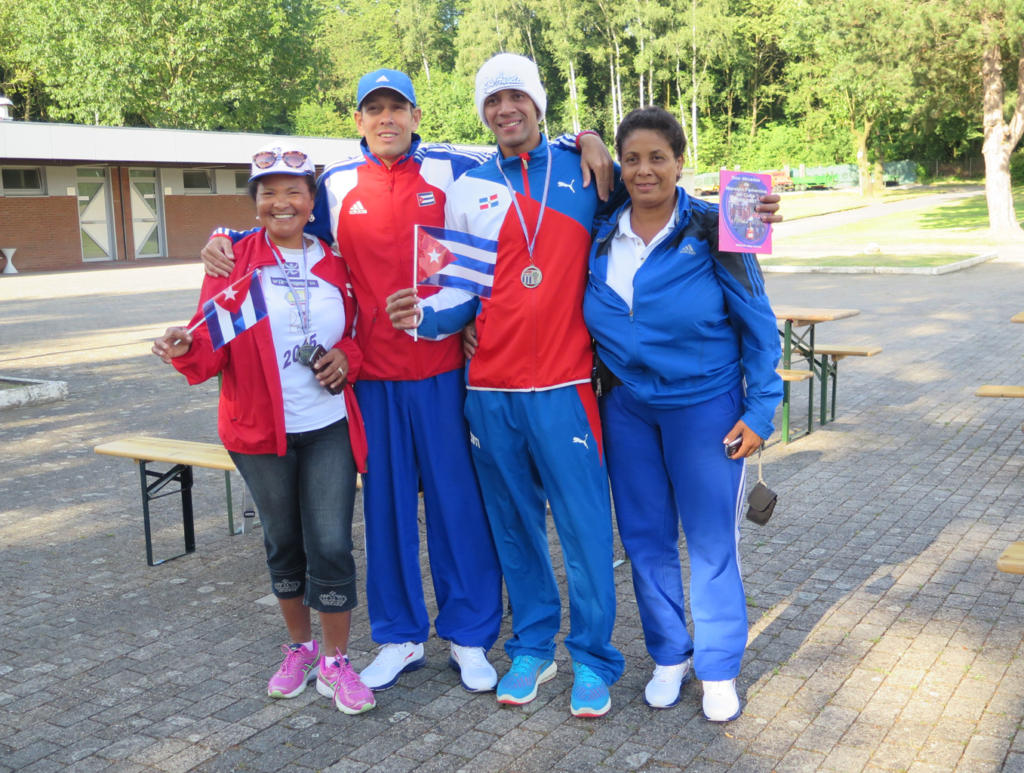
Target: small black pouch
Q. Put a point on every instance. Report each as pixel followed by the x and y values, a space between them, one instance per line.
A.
pixel 761 501
pixel 761 504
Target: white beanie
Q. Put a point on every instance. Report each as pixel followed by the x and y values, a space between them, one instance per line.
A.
pixel 509 71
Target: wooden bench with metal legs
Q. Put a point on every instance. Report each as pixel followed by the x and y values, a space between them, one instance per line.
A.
pixel 789 376
pixel 828 366
pixel 182 455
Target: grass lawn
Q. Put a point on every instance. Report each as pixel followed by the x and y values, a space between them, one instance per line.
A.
pixel 800 204
pixel 924 236
pixel 880 259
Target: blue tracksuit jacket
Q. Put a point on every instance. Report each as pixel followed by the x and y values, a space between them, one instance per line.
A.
pixel 700 319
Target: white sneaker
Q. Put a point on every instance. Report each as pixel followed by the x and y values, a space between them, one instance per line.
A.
pixel 662 692
pixel 720 701
pixel 476 673
pixel 392 661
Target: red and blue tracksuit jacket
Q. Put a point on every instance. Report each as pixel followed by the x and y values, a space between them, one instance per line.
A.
pixel 528 338
pixel 363 206
pixel 250 417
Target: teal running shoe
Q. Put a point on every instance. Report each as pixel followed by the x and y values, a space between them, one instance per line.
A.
pixel 590 696
pixel 519 685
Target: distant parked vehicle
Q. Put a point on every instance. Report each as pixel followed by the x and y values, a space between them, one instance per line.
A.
pixel 819 181
pixel 781 181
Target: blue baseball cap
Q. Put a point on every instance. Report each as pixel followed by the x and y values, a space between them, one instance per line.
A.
pixel 385 79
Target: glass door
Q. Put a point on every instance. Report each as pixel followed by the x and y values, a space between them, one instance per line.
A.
pixel 94 214
pixel 147 213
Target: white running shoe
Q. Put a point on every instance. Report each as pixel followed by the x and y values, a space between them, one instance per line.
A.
pixel 720 701
pixel 662 692
pixel 392 661
pixel 477 674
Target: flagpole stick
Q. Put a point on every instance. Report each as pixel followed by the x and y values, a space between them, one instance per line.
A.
pixel 415 255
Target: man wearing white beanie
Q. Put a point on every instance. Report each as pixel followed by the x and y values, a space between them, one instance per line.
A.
pixel 536 433
pixel 411 393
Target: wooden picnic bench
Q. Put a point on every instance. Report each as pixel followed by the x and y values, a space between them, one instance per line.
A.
pixel 1000 390
pixel 182 455
pixel 797 332
pixel 1012 559
pixel 829 356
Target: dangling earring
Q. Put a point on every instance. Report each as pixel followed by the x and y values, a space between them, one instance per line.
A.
pixel 312 217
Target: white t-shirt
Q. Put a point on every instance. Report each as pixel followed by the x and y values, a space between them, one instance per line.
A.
pixel 307 405
pixel 628 252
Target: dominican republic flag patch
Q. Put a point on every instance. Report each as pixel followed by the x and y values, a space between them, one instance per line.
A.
pixel 486 202
pixel 426 199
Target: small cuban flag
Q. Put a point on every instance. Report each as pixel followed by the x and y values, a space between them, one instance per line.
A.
pixel 487 202
pixel 235 309
pixel 455 259
pixel 426 199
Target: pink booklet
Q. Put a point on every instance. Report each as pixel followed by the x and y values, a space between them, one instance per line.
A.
pixel 739 227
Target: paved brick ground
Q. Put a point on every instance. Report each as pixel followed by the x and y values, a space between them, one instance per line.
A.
pixel 882 636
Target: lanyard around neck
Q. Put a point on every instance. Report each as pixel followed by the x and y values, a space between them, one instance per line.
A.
pixel 530 242
pixel 301 299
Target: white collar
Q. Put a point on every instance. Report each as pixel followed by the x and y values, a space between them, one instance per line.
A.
pixel 625 228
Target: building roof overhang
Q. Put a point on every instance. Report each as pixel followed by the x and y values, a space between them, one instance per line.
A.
pixel 56 143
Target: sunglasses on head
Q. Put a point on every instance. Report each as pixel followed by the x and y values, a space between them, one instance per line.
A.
pixel 267 158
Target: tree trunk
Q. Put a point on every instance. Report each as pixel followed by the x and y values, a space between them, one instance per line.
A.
pixel 618 83
pixel 860 142
pixel 693 78
pixel 574 99
pixel 1000 140
pixel 878 176
pixel 611 88
pixel 692 162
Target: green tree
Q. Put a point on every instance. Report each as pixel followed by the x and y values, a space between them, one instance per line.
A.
pixel 449 113
pixel 962 62
pixel 233 64
pixel 19 75
pixel 847 65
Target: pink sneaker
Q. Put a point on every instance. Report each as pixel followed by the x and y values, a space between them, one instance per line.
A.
pixel 350 694
pixel 298 668
pixel 327 679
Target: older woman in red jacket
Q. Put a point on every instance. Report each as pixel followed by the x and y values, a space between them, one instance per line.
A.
pixel 289 418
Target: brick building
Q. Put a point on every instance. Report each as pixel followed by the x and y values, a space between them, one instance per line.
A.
pixel 74 194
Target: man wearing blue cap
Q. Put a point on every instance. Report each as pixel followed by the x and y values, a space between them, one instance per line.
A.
pixel 411 393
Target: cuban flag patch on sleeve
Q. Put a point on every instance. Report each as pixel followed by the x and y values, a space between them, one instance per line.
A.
pixel 487 202
pixel 426 199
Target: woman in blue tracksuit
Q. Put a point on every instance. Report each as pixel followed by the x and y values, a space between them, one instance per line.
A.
pixel 689 346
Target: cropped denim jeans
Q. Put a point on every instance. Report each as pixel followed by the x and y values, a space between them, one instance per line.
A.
pixel 305 500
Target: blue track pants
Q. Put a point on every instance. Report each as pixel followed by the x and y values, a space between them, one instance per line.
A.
pixel 529 447
pixel 416 431
pixel 667 466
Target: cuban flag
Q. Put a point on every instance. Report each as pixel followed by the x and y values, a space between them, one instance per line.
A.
pixel 488 202
pixel 447 258
pixel 235 309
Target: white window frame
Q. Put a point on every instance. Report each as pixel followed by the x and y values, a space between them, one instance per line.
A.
pixel 40 191
pixel 245 187
pixel 211 177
